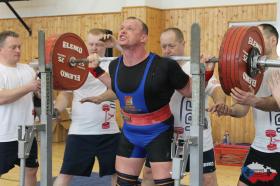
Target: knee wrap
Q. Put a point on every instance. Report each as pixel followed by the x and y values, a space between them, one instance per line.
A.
pixel 165 182
pixel 127 180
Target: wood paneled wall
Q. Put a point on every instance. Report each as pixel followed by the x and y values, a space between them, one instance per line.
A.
pixel 214 22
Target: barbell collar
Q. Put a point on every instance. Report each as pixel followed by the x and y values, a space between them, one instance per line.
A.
pixel 73 61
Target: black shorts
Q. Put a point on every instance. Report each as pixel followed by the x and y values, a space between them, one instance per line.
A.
pixel 81 150
pixel 261 169
pixel 9 156
pixel 158 150
pixel 208 162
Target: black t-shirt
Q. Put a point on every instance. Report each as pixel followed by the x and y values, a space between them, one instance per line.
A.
pixel 164 76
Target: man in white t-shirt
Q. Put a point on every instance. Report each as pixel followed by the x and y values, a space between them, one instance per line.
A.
pixel 17 84
pixel 262 165
pixel 172 44
pixel 94 131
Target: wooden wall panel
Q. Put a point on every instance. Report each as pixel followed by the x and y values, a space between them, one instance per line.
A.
pixel 140 12
pixel 214 22
pixel 155 22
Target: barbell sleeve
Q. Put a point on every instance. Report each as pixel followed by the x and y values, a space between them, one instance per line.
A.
pixel 74 61
pixel 269 62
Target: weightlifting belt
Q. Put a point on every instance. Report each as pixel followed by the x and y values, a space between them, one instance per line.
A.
pixel 157 116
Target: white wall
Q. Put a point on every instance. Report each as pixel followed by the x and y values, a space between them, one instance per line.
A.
pixel 33 8
pixel 167 4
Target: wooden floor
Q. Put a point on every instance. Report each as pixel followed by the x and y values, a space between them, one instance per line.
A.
pixel 227 175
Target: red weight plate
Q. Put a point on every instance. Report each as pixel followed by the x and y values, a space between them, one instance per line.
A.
pixel 222 61
pixel 59 49
pixel 238 34
pixel 236 57
pixel 222 66
pixel 230 55
pixel 252 37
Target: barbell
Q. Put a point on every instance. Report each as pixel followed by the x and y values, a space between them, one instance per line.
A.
pixel 240 64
